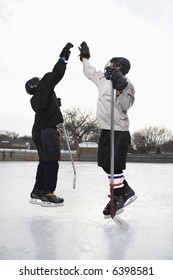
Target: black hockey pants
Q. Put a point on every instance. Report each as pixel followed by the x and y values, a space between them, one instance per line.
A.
pixel 48 147
pixel 121 143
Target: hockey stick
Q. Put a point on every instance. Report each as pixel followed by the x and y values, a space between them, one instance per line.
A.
pixel 123 224
pixel 71 158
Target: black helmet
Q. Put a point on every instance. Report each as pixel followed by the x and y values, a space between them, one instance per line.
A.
pixel 123 64
pixel 31 85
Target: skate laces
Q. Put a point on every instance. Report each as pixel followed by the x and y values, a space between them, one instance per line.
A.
pixel 116 199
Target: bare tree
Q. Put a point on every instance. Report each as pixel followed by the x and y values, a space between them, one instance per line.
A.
pixel 80 126
pixel 168 146
pixel 11 135
pixel 150 138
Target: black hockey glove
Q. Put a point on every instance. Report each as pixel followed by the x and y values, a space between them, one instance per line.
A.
pixel 66 51
pixel 118 80
pixel 84 51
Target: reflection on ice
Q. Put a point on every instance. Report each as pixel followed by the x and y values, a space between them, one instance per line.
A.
pixel 78 230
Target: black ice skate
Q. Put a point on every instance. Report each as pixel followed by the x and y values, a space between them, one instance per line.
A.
pixel 51 200
pixel 36 196
pixel 128 194
pixel 118 206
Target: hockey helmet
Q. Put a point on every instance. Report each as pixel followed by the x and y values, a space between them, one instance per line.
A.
pixel 121 62
pixel 32 85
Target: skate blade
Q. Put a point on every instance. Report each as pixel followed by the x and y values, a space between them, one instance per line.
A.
pixel 50 204
pixel 35 201
pixel 130 200
pixel 117 213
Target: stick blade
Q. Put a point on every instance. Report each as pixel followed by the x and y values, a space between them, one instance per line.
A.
pixel 74 181
pixel 120 222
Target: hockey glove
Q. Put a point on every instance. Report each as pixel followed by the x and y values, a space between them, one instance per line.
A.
pixel 84 51
pixel 66 51
pixel 118 80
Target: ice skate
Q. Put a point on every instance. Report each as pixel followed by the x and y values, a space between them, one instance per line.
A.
pixel 51 200
pixel 118 206
pixel 36 196
pixel 128 194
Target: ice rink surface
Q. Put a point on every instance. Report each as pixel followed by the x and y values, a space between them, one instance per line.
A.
pixel 78 231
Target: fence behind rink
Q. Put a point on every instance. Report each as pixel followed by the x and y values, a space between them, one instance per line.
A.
pixel 82 154
pixel 18 155
pixel 86 151
pixel 32 155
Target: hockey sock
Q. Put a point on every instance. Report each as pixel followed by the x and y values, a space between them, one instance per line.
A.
pixel 117 184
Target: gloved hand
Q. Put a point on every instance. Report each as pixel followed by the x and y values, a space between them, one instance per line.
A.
pixel 118 80
pixel 108 72
pixel 84 51
pixel 66 51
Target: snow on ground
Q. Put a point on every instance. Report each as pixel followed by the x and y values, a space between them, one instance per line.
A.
pixel 78 231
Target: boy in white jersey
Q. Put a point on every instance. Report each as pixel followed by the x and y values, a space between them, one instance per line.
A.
pixel 114 75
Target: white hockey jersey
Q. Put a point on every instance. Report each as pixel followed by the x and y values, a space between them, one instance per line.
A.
pixel 123 102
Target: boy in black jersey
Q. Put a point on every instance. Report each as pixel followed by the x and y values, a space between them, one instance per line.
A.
pixel 44 134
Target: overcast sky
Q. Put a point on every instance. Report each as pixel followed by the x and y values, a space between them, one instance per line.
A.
pixel 33 32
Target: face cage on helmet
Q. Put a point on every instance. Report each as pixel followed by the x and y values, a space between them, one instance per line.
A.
pixel 111 64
